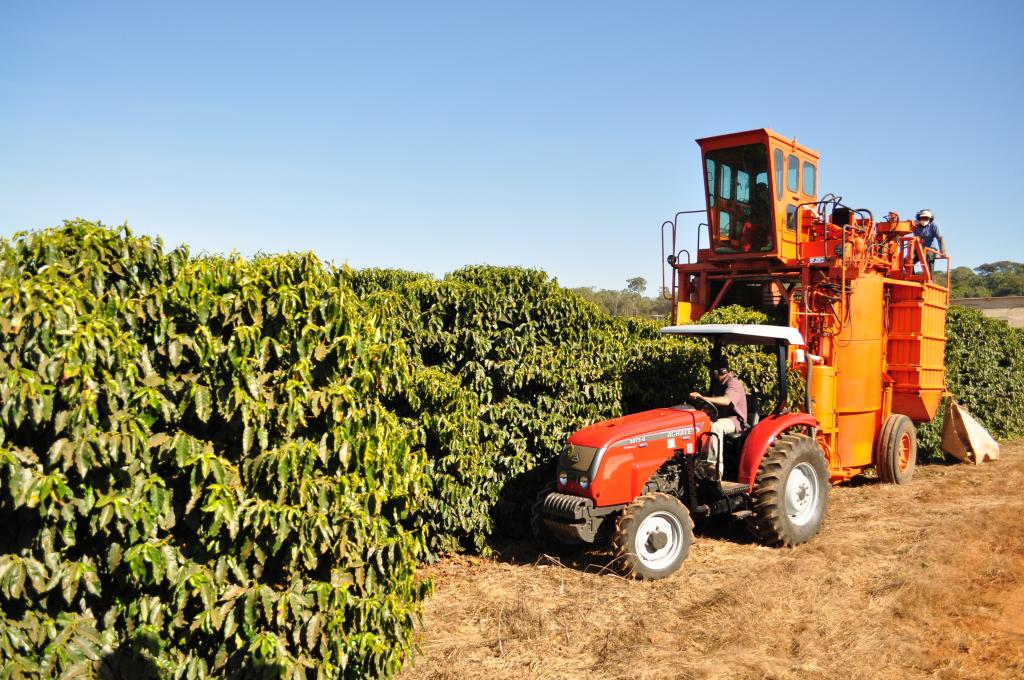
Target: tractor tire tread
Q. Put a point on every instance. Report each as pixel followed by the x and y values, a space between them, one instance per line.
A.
pixel 766 522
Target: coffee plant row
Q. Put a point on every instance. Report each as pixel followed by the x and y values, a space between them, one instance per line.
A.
pixel 200 476
pixel 985 374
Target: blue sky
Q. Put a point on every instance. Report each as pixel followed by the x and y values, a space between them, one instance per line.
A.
pixel 555 135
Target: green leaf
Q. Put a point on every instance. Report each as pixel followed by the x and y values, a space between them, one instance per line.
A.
pixel 249 612
pixel 157 440
pixel 247 437
pixel 174 352
pixel 114 555
pixel 203 402
pixel 313 631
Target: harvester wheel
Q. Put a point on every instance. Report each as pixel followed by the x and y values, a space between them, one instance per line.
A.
pixel 790 492
pixel 546 541
pixel 652 536
pixel 896 451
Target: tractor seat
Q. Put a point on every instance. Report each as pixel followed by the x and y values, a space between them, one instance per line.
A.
pixel 753 409
pixel 753 416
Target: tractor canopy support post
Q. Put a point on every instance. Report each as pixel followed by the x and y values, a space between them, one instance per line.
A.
pixel 780 355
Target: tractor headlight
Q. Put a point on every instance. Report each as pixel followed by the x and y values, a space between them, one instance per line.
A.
pixel 584 482
pixel 563 479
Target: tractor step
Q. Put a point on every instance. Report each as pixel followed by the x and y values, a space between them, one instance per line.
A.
pixel 731 488
pixel 742 514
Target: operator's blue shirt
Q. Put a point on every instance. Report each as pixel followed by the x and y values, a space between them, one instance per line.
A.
pixel 928 234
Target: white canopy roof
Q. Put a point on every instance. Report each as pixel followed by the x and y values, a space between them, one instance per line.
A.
pixel 739 333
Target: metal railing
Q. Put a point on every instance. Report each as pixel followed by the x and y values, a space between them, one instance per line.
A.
pixel 674 254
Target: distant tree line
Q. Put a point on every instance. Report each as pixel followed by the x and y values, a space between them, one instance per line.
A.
pixel 995 279
pixel 630 301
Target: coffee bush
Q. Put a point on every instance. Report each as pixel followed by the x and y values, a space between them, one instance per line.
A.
pixel 508 365
pixel 200 475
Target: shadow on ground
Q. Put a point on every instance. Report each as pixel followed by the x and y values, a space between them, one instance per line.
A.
pixel 600 558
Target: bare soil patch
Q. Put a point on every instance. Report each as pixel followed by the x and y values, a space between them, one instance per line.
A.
pixel 921 580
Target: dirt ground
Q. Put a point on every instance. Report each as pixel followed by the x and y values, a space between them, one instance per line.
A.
pixel 921 580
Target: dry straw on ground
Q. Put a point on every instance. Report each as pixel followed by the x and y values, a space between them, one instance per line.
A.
pixel 922 580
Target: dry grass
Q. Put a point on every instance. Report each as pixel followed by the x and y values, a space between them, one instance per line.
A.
pixel 920 580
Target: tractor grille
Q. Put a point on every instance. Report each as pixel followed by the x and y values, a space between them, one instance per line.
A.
pixel 577 458
pixel 564 506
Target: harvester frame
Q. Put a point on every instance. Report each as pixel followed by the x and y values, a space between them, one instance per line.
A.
pixel 860 291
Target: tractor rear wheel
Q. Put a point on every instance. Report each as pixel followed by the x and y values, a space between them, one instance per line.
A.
pixel 547 542
pixel 790 494
pixel 652 536
pixel 896 450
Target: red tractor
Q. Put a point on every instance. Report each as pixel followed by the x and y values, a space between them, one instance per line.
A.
pixel 633 481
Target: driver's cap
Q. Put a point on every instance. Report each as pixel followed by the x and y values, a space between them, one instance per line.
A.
pixel 720 365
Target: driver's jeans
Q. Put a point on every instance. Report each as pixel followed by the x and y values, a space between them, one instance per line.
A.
pixel 713 445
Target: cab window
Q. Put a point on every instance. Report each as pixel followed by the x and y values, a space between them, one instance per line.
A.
pixel 810 179
pixel 742 187
pixel 793 175
pixel 739 202
pixel 779 160
pixel 712 176
pixel 725 224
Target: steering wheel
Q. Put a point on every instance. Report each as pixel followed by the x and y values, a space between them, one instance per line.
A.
pixel 706 406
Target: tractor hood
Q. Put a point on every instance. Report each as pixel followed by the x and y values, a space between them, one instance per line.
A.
pixel 637 427
pixel 610 462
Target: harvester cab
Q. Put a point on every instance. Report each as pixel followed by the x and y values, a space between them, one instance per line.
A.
pixel 747 218
pixel 633 481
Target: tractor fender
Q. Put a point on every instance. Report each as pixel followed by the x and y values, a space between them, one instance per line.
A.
pixel 762 436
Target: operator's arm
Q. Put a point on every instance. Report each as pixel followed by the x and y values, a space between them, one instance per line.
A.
pixel 717 401
pixel 936 236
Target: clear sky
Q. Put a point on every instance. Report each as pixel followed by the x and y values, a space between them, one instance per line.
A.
pixel 550 134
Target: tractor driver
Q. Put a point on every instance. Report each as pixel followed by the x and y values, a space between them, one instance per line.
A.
pixel 728 394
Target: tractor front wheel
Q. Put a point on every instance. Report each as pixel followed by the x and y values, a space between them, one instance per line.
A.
pixel 652 536
pixel 896 452
pixel 790 492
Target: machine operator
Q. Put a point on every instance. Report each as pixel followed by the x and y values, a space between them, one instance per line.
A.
pixel 927 232
pixel 729 395
pixel 756 231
